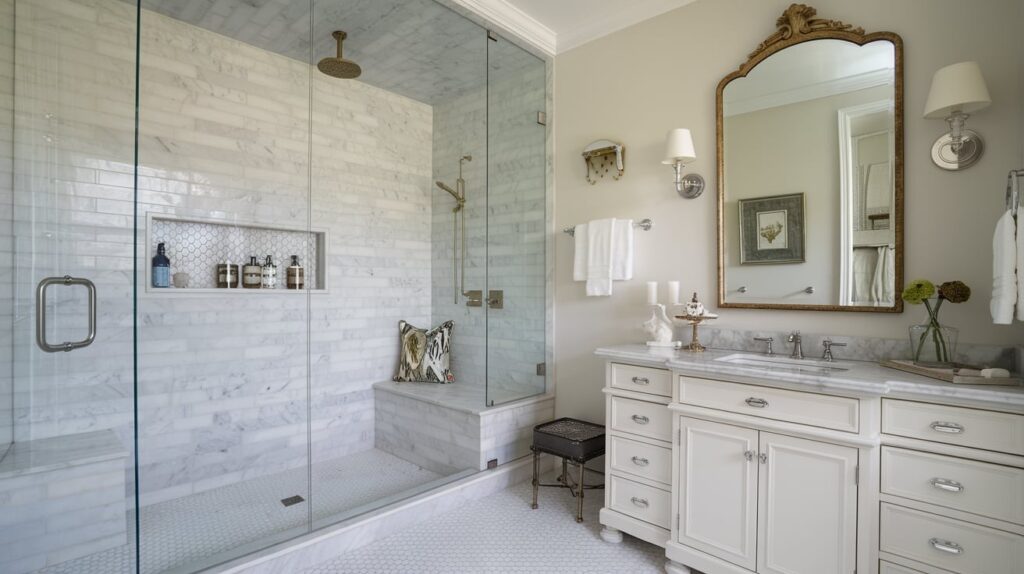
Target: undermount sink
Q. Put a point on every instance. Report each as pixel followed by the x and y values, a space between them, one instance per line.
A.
pixel 777 363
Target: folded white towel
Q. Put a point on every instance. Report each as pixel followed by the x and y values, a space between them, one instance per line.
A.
pixel 622 250
pixel 1005 255
pixel 600 238
pixel 1020 264
pixel 579 262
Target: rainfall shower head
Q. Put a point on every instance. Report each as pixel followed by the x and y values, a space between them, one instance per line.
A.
pixel 339 67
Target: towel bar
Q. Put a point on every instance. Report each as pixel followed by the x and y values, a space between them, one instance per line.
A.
pixel 645 224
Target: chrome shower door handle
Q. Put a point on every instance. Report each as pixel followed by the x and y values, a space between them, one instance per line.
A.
pixel 67 346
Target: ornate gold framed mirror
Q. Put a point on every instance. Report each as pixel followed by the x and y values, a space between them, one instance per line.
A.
pixel 810 170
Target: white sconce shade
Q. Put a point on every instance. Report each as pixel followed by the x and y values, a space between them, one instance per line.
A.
pixel 957 87
pixel 679 147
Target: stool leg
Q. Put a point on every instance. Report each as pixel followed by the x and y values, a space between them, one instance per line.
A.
pixel 579 500
pixel 536 478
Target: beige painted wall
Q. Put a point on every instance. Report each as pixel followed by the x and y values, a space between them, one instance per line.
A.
pixel 636 84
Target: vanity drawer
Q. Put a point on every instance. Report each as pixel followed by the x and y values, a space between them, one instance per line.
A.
pixel 978 487
pixel 950 544
pixel 639 458
pixel 989 430
pixel 640 501
pixel 890 568
pixel 642 418
pixel 642 379
pixel 839 413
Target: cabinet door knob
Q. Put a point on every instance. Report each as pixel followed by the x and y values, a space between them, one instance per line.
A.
pixel 756 402
pixel 947 484
pixel 763 458
pixel 641 502
pixel 639 461
pixel 640 419
pixel 947 427
pixel 641 381
pixel 749 455
pixel 946 546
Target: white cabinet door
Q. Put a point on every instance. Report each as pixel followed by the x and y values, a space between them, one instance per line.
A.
pixel 807 507
pixel 718 490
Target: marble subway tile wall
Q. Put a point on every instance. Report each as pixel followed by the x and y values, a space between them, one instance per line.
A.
pixel 72 212
pixel 505 226
pixel 225 133
pixel 6 224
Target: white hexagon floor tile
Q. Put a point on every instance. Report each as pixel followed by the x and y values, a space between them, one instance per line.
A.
pixel 500 534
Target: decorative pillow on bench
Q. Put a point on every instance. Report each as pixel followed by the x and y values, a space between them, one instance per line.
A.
pixel 424 357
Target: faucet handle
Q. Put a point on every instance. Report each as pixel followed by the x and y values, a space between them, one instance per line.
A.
pixel 828 344
pixel 769 352
pixel 794 336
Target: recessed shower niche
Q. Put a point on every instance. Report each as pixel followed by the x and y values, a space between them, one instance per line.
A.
pixel 196 246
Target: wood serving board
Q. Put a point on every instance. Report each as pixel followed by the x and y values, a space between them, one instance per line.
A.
pixel 950 375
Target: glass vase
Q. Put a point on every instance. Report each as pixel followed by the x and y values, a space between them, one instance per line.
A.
pixel 933 345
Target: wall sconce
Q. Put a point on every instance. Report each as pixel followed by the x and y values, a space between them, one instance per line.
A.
pixel 957 90
pixel 679 152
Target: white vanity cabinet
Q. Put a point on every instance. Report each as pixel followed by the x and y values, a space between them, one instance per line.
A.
pixel 857 471
pixel 638 453
pixel 750 499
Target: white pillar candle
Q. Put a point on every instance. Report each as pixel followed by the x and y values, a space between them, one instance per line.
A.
pixel 652 292
pixel 673 292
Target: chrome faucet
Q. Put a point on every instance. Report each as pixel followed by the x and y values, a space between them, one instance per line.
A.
pixel 828 344
pixel 798 345
pixel 768 352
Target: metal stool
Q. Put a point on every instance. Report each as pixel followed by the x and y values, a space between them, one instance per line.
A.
pixel 572 440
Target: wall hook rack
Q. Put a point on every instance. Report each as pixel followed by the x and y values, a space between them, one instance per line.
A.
pixel 603 155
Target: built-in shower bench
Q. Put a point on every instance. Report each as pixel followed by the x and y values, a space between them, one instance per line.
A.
pixel 448 428
pixel 63 498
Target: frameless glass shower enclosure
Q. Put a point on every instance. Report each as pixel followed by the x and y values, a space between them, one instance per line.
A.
pixel 168 419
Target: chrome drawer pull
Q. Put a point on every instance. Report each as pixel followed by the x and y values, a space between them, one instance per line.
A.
pixel 640 419
pixel 756 402
pixel 641 502
pixel 947 484
pixel 640 461
pixel 951 428
pixel 946 546
pixel 641 380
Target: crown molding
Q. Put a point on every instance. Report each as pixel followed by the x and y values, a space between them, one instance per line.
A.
pixel 628 14
pixel 798 94
pixel 514 21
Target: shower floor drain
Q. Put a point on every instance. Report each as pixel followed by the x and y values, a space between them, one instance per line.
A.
pixel 292 500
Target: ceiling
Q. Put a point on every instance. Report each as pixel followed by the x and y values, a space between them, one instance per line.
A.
pixel 576 22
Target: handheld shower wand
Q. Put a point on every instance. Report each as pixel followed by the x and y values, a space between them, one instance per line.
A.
pixel 459 193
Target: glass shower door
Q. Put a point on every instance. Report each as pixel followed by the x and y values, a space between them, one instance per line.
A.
pixel 516 222
pixel 67 119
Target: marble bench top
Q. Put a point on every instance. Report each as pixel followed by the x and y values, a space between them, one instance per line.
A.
pixel 860 377
pixel 52 453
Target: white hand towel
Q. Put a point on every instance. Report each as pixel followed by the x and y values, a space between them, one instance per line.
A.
pixel 1004 273
pixel 1020 264
pixel 579 262
pixel 600 238
pixel 622 250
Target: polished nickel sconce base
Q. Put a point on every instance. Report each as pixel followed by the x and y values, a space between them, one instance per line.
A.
pixel 971 148
pixel 690 186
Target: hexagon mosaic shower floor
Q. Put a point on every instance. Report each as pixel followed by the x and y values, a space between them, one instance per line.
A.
pixel 500 534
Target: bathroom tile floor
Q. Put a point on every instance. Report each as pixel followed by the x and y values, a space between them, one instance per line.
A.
pixel 500 534
pixel 181 534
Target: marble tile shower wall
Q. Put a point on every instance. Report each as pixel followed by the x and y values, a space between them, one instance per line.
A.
pixel 6 223
pixel 505 231
pixel 223 381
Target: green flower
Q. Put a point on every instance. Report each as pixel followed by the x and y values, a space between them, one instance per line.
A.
pixel 955 291
pixel 918 290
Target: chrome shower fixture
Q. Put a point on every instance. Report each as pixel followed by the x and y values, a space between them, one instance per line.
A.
pixel 459 193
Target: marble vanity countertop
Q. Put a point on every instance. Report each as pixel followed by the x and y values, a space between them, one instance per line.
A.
pixel 860 377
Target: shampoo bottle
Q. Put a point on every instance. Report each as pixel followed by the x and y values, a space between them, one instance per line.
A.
pixel 252 274
pixel 269 274
pixel 296 274
pixel 161 268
